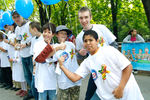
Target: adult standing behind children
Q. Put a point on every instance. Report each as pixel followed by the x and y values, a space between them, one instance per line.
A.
pixel 22 32
pixel 105 36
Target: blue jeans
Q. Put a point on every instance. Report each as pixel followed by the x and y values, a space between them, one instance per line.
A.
pixel 34 90
pixel 90 93
pixel 28 69
pixel 50 94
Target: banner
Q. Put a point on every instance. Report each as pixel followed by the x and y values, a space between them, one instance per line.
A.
pixel 138 54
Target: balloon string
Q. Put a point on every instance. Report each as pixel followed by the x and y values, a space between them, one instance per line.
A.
pixel 69 14
pixel 75 20
pixel 49 23
pixel 5 4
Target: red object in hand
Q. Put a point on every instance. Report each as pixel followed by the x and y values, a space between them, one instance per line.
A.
pixel 44 54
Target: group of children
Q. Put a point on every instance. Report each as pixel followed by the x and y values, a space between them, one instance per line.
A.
pixel 47 76
pixel 56 74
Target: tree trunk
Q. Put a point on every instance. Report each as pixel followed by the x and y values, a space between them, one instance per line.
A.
pixel 146 4
pixel 114 17
pixel 42 12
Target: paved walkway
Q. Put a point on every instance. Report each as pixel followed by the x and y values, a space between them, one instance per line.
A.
pixel 143 82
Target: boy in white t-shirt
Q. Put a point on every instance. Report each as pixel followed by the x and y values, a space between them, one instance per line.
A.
pixel 35 29
pixel 67 89
pixel 5 64
pixel 111 71
pixel 45 76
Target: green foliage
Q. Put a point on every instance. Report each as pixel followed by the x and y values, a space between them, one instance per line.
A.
pixel 130 14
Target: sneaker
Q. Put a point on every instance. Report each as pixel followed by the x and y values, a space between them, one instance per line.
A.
pixel 24 93
pixel 19 92
pixel 16 89
pixel 27 97
pixel 8 87
pixel 12 88
pixel 3 86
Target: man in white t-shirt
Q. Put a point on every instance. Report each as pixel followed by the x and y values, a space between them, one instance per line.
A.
pixel 105 38
pixel 23 34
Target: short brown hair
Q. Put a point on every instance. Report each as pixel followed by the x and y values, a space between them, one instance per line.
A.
pixel 83 9
pixel 50 26
pixel 1 35
pixel 36 25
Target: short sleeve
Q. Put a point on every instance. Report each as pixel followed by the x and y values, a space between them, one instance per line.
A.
pixel 108 35
pixel 83 70
pixel 120 60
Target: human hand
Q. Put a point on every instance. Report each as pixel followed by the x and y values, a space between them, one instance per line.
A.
pixel 11 60
pixel 83 52
pixel 61 60
pixel 22 46
pixel 118 92
pixel 6 41
pixel 17 46
pixel 62 46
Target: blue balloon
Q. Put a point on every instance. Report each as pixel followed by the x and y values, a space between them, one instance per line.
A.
pixel 66 0
pixel 1 12
pixel 1 24
pixel 50 2
pixel 7 18
pixel 24 8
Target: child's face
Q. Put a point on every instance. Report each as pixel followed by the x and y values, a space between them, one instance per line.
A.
pixel 47 35
pixel 90 43
pixel 33 31
pixel 62 36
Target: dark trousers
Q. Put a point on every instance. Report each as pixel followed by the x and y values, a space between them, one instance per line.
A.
pixel 6 75
pixel 90 89
pixel 1 78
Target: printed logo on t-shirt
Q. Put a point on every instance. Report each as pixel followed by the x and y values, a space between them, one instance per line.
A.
pixel 72 53
pixel 25 36
pixel 103 71
pixel 101 41
pixel 94 74
pixel 65 55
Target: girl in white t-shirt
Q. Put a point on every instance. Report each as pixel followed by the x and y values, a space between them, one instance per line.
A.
pixel 110 69
pixel 18 73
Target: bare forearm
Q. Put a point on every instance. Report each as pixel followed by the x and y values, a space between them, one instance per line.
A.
pixel 125 76
pixel 72 76
pixel 3 50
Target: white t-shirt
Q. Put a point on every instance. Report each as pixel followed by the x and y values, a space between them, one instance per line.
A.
pixel 115 62
pixel 70 63
pixel 105 36
pixel 45 76
pixel 33 41
pixel 3 55
pixel 17 69
pixel 25 35
pixel 11 49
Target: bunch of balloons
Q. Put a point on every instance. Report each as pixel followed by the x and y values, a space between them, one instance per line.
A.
pixel 5 19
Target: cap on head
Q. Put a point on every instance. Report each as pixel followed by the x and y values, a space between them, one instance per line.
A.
pixel 14 12
pixel 63 28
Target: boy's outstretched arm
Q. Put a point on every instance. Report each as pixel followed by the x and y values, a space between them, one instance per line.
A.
pixel 118 92
pixel 72 76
